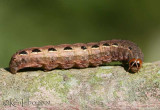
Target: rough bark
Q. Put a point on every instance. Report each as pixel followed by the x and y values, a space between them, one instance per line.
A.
pixel 100 88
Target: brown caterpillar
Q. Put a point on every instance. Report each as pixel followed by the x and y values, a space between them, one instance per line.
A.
pixel 78 55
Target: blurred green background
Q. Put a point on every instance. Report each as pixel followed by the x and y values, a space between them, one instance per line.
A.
pixel 28 23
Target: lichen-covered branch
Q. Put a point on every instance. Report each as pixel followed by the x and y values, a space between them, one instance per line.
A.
pixel 104 87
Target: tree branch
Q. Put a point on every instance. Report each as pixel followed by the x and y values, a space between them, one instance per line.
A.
pixel 105 87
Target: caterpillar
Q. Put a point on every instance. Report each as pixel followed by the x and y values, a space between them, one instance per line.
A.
pixel 79 55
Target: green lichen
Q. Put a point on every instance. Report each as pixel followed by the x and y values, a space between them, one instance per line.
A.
pixel 51 81
pixel 94 80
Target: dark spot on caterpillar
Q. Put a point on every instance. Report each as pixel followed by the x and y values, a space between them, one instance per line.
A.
pixel 115 44
pixel 52 49
pixel 130 48
pixel 67 48
pixel 106 44
pixel 95 46
pixel 23 53
pixel 83 47
pixel 35 51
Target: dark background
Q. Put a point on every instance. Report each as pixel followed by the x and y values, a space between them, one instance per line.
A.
pixel 28 23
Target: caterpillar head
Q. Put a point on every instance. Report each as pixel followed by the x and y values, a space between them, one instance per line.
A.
pixel 135 65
